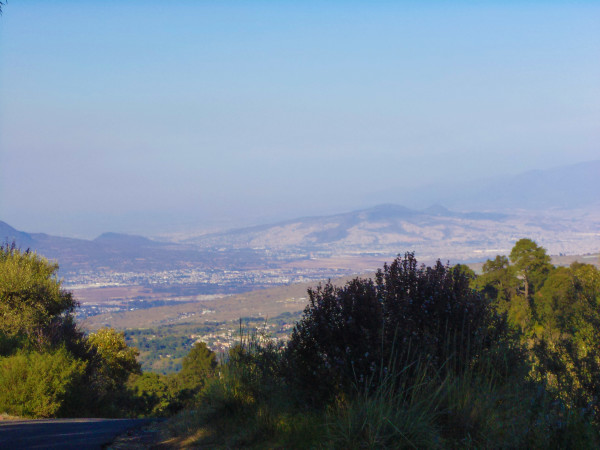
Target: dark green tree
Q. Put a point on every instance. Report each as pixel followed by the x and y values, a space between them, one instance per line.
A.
pixel 154 395
pixel 532 266
pixel 338 340
pixel 497 281
pixel 197 367
pixel 467 272
pixel 410 313
pixel 557 302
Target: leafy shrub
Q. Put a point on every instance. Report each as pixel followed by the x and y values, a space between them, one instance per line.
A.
pixel 50 365
pixel 338 339
pixel 116 360
pixel 349 335
pixel 251 375
pixel 418 359
pixel 248 403
pixel 153 395
pixel 38 384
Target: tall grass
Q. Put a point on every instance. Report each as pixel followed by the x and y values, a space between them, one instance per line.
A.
pixel 482 401
pixel 249 404
pixel 393 410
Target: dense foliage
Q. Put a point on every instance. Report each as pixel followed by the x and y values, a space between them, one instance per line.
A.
pixel 36 313
pixel 36 384
pixel 50 368
pixel 350 334
pixel 430 357
pixel 156 395
pixel 44 357
pixel 420 357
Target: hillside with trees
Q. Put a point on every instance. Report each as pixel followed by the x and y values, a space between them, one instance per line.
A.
pixel 417 356
pixel 50 368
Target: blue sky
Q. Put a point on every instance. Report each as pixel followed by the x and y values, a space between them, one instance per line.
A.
pixel 147 116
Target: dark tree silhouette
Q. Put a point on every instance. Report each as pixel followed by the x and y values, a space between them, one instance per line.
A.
pixel 350 335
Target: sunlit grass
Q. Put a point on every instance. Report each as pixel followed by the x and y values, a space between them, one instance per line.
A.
pixel 485 403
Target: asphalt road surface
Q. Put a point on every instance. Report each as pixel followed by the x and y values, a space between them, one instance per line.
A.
pixel 63 433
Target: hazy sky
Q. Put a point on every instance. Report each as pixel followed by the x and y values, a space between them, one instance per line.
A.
pixel 142 116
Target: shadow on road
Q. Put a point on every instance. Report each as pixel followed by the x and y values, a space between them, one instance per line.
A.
pixel 63 433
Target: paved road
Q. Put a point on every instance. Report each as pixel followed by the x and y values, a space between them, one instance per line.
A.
pixel 63 433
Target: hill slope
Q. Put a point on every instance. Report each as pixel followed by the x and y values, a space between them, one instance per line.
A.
pixel 433 232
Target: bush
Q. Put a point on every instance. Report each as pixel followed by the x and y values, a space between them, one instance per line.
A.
pixel 349 335
pixel 153 395
pixel 248 404
pixel 38 384
pixel 116 360
pixel 412 359
pixel 49 364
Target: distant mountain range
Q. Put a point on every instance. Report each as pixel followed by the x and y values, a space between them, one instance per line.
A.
pixel 372 228
pixel 115 252
pixel 381 230
pixel 539 204
pixel 567 187
pixel 432 232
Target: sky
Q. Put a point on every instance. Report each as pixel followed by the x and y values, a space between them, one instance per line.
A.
pixel 149 117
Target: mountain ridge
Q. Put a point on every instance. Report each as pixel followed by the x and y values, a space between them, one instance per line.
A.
pixel 564 187
pixel 564 217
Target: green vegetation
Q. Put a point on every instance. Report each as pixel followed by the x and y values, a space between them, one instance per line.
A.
pixel 156 395
pixel 50 368
pixel 419 357
pixel 35 384
pixel 44 358
pixel 430 357
pixel 163 348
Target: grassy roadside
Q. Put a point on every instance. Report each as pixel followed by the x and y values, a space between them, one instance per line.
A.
pixel 467 411
pixel 457 374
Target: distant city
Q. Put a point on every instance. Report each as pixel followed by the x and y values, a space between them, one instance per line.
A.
pixel 185 285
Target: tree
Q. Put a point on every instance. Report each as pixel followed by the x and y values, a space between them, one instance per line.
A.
pixel 349 335
pixel 467 272
pixel 587 280
pixel 556 302
pixel 532 265
pixel 154 395
pixel 498 281
pixel 338 338
pixel 43 351
pixel 197 367
pixel 35 311
pixel 117 360
pixel 567 346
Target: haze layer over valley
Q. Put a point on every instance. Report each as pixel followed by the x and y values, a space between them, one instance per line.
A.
pixel 117 271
